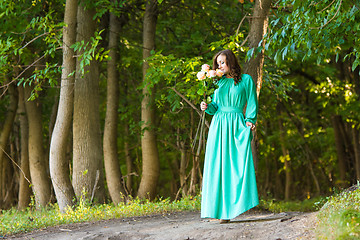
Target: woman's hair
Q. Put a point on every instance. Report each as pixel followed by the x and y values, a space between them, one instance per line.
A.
pixel 231 62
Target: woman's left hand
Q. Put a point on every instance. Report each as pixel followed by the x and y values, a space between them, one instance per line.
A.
pixel 251 125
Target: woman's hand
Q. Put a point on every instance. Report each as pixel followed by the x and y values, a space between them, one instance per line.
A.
pixel 203 106
pixel 251 125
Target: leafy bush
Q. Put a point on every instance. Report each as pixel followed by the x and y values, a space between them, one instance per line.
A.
pixel 339 218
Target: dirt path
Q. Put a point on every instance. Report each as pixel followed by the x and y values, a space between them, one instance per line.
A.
pixel 186 226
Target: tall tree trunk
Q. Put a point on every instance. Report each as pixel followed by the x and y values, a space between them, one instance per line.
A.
pixel 112 166
pixel 59 164
pixel 258 28
pixel 4 138
pixel 356 142
pixel 128 160
pixel 87 147
pixel 286 156
pixel 150 155
pixel 24 183
pixel 340 149
pixel 9 120
pixel 194 178
pixel 38 170
pixel 355 130
pixel 182 169
pixel 254 67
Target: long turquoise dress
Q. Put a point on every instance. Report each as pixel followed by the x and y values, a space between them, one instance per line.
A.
pixel 229 183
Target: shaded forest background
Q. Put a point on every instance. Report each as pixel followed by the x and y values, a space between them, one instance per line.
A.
pixel 98 99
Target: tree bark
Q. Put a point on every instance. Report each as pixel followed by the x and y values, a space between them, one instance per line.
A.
pixel 88 179
pixel 286 156
pixel 150 155
pixel 112 166
pixel 4 138
pixel 356 142
pixel 59 164
pixel 9 120
pixel 340 149
pixel 182 168
pixel 38 171
pixel 254 66
pixel 129 162
pixel 258 28
pixel 24 183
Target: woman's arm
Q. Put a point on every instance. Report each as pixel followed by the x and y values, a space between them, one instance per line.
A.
pixel 252 102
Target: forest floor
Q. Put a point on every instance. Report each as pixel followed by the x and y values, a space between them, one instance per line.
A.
pixel 253 224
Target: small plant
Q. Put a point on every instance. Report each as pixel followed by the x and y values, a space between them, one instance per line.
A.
pixel 339 218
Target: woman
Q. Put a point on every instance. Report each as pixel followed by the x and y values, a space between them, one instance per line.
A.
pixel 229 184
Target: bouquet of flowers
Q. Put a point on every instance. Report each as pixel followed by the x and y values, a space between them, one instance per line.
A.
pixel 209 79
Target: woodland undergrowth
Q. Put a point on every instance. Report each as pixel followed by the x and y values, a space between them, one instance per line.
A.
pixel 338 217
pixel 14 221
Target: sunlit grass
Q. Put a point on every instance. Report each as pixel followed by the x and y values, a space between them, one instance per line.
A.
pixel 14 221
pixel 340 217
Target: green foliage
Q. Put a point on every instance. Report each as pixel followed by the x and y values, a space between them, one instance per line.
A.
pixel 311 52
pixel 14 221
pixel 31 35
pixel 305 29
pixel 105 6
pixel 180 72
pixel 90 51
pixel 340 217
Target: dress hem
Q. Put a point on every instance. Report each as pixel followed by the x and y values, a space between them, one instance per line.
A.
pixel 232 216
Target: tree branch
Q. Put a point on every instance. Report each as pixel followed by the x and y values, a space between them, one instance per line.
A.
pixel 337 11
pixel 190 103
pixel 327 6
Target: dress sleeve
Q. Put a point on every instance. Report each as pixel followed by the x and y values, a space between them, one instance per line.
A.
pixel 212 108
pixel 252 102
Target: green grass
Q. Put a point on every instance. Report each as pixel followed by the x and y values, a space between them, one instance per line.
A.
pixel 14 221
pixel 340 217
pixel 307 205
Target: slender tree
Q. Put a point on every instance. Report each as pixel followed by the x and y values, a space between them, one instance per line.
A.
pixel 4 141
pixel 150 155
pixel 88 179
pixel 38 167
pixel 340 148
pixel 59 163
pixel 24 183
pixel 285 155
pixel 112 166
pixel 356 142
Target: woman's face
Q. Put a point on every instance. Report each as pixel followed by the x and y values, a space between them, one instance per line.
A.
pixel 221 61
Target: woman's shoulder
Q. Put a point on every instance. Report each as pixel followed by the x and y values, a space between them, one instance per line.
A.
pixel 222 79
pixel 246 78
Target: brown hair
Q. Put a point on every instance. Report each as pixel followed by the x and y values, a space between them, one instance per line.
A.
pixel 232 62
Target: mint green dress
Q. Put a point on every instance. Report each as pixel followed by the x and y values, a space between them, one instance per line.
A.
pixel 229 183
